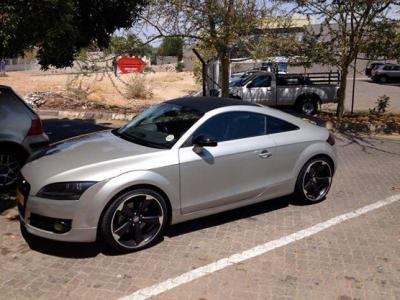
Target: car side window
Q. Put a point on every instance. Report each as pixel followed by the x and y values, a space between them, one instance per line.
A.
pixel 261 81
pixel 275 125
pixel 233 125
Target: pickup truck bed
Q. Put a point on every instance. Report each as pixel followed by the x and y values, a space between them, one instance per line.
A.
pixel 306 92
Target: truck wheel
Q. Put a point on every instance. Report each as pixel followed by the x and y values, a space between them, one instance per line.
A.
pixel 308 106
pixel 234 97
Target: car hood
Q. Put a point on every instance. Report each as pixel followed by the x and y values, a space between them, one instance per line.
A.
pixel 92 157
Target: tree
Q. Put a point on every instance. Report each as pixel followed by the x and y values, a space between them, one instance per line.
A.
pixel 172 46
pixel 347 25
pixel 384 42
pixel 129 45
pixel 216 25
pixel 59 29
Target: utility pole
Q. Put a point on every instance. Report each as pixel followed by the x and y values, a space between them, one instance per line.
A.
pixel 354 85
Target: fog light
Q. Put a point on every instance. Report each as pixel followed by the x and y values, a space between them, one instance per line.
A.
pixel 60 227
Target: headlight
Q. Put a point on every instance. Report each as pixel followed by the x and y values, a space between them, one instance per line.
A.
pixel 65 190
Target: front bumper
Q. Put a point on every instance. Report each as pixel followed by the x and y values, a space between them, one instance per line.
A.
pixel 51 211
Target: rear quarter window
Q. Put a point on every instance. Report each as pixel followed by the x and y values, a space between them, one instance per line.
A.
pixel 276 125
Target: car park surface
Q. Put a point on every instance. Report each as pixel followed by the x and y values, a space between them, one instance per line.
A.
pixel 355 259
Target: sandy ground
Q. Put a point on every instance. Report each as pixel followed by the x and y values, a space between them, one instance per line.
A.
pixel 104 88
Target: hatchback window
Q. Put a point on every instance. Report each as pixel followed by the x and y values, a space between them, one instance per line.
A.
pixel 233 125
pixel 275 125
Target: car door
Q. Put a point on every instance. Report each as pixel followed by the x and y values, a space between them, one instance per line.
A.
pixel 236 169
pixel 260 90
pixel 396 72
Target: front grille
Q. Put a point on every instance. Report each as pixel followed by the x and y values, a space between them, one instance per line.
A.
pixel 48 224
pixel 24 188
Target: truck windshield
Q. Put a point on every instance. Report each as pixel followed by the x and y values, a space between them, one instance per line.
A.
pixel 160 126
pixel 242 81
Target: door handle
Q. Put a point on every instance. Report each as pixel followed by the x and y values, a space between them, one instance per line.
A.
pixel 264 154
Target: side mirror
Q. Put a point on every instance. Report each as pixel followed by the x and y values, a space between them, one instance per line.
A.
pixel 201 141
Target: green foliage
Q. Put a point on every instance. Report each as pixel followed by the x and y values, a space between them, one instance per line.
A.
pixel 347 28
pixel 129 45
pixel 172 46
pixel 384 41
pixel 382 104
pixel 180 67
pixel 61 28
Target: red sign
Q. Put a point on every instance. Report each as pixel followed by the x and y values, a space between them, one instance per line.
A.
pixel 131 65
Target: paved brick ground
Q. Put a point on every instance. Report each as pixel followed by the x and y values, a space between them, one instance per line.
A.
pixel 358 259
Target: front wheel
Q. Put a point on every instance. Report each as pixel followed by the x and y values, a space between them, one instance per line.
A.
pixel 314 180
pixel 134 221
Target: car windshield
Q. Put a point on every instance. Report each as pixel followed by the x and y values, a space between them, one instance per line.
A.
pixel 160 126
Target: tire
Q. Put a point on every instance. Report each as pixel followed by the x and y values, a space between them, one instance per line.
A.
pixel 234 97
pixel 313 187
pixel 382 79
pixel 308 106
pixel 10 165
pixel 134 221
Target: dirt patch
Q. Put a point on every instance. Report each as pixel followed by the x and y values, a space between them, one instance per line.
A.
pixel 107 92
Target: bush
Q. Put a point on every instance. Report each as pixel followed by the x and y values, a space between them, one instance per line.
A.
pixel 382 104
pixel 78 89
pixel 179 67
pixel 138 88
pixel 149 70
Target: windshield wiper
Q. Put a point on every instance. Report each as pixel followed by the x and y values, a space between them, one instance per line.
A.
pixel 136 140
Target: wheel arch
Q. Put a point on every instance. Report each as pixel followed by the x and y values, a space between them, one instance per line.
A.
pixel 20 151
pixel 310 95
pixel 133 187
pixel 320 149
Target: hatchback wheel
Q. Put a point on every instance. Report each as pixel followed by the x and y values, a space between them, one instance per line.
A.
pixel 135 220
pixel 9 169
pixel 314 181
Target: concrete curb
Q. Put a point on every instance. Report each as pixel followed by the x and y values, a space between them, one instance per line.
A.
pixel 86 115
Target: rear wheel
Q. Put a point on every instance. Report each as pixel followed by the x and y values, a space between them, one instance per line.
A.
pixel 134 221
pixel 308 106
pixel 10 164
pixel 382 79
pixel 314 180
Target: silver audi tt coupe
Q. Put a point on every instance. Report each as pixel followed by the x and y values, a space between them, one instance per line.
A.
pixel 180 160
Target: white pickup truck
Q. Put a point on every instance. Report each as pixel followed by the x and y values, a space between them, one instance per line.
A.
pixel 306 92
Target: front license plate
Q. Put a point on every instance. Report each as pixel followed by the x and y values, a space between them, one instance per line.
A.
pixel 20 198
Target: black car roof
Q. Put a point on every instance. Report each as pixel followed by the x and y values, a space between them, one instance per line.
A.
pixel 206 104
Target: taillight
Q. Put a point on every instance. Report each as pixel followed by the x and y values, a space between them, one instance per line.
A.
pixel 36 127
pixel 331 139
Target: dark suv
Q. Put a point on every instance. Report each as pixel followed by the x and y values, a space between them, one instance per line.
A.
pixel 20 132
pixel 368 70
pixel 386 73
